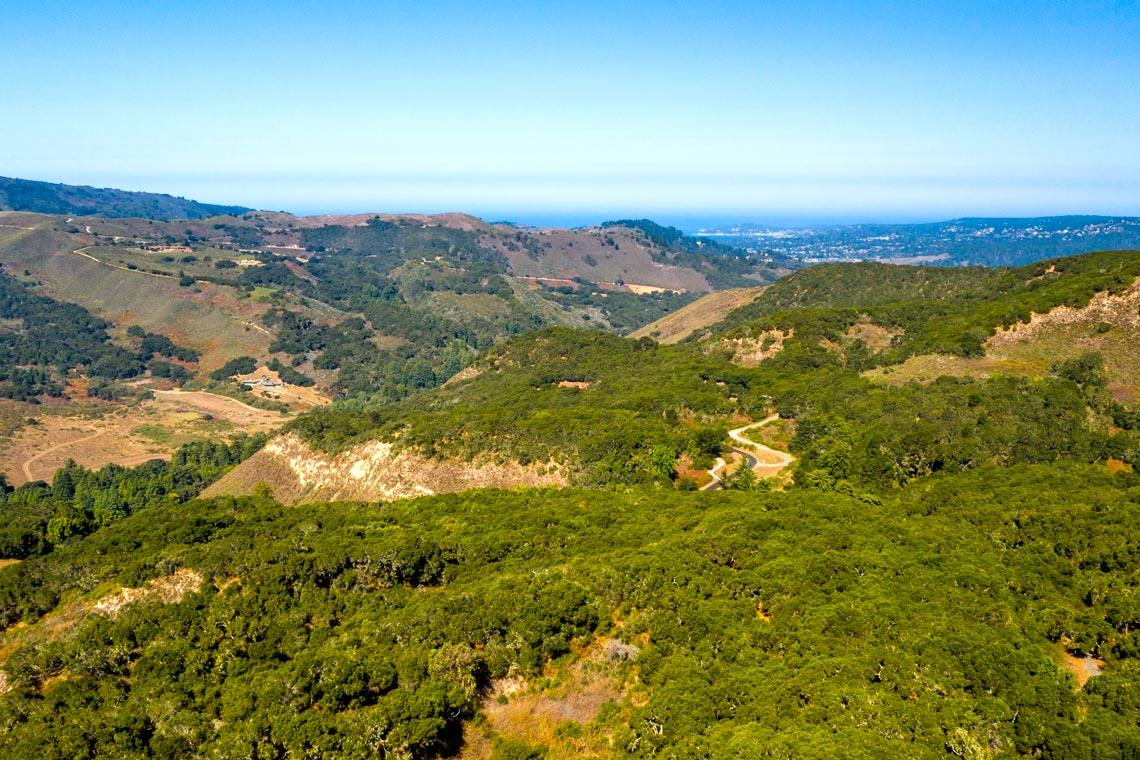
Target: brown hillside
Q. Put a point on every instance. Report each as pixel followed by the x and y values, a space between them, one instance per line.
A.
pixel 454 220
pixel 565 254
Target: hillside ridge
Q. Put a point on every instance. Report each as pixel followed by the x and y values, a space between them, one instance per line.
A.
pixel 83 200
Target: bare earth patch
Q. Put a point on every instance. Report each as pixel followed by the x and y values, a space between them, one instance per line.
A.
pixel 168 589
pixel 533 711
pixel 876 337
pixel 750 352
pixel 1121 310
pixel 1108 325
pixel 1083 667
pixel 369 472
pixel 467 373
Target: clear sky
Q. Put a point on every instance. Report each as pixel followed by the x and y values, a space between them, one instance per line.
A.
pixel 753 110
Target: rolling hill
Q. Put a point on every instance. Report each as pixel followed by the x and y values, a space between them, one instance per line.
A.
pixel 705 312
pixel 948 570
pixel 816 346
pixel 371 306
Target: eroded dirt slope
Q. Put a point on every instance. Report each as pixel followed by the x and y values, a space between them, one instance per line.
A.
pixel 371 471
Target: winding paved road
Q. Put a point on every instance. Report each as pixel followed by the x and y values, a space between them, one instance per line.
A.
pixel 749 449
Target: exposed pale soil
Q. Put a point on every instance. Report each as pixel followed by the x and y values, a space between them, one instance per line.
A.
pixel 169 589
pixel 370 471
pixel 1083 668
pixel 750 352
pixel 1029 348
pixel 533 711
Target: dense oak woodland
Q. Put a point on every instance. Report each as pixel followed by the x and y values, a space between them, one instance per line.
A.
pixel 769 625
pixel 916 591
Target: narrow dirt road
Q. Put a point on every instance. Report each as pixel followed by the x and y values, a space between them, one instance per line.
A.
pixel 753 453
pixel 192 396
pixel 27 465
pixel 81 252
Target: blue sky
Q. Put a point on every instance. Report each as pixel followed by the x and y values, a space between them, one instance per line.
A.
pixel 754 110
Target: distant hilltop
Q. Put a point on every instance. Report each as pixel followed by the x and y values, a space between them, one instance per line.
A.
pixel 80 200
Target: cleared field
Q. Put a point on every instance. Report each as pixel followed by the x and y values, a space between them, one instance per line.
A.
pixel 926 368
pixel 126 435
pixel 171 261
pixel 702 313
pixel 283 392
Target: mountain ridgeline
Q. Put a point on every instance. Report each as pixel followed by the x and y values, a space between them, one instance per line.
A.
pixel 79 200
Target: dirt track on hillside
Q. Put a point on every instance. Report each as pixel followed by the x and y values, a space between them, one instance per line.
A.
pixel 127 435
pixel 753 453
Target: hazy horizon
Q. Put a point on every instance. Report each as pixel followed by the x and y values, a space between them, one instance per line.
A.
pixel 685 219
pixel 782 110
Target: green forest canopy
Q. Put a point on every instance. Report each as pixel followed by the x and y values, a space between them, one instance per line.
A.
pixel 804 623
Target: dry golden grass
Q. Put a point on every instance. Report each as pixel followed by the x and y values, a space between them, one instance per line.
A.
pixel 95 435
pixel 926 368
pixel 556 711
pixel 702 313
pixel 876 337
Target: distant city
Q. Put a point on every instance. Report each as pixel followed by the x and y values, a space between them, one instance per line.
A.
pixel 972 241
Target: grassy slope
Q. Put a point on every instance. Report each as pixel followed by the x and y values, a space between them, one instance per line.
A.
pixel 210 321
pixel 705 312
pixel 583 253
